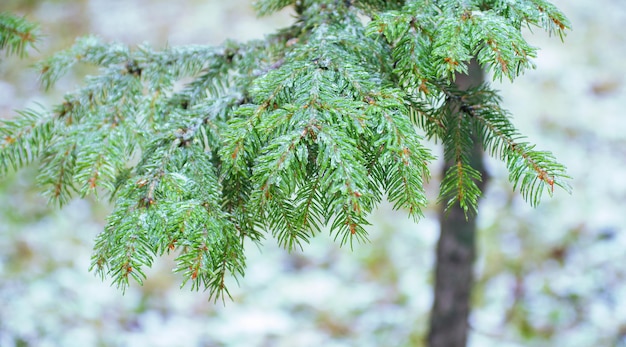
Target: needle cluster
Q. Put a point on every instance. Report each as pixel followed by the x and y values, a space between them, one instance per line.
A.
pixel 201 148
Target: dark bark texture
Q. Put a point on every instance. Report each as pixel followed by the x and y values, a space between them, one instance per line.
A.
pixel 456 250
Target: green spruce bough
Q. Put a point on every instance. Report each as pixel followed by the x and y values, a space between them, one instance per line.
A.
pixel 17 34
pixel 310 127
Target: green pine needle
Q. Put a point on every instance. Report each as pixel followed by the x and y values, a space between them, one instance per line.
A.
pixel 303 131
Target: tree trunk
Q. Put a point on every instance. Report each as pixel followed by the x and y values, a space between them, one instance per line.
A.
pixel 456 250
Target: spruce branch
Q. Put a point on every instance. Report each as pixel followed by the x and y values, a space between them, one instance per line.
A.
pixel 88 50
pixel 267 7
pixel 533 171
pixel 537 13
pixel 439 38
pixel 459 184
pixel 403 158
pixel 320 101
pixel 499 46
pixel 132 98
pixel 57 171
pixel 310 127
pixel 23 139
pixel 17 34
pixel 371 8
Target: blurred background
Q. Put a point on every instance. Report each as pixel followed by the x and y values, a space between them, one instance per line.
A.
pixel 554 275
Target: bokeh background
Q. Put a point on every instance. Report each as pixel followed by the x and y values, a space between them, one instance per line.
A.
pixel 554 275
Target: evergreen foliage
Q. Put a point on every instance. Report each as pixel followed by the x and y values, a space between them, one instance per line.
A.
pixel 17 34
pixel 311 126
